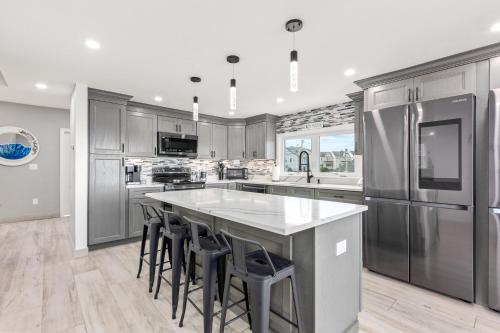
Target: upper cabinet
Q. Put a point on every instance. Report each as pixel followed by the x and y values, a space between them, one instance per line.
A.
pixel 106 127
pixel 141 134
pixel 236 142
pixel 175 125
pixel 212 140
pixel 261 138
pixel 451 82
pixel 387 95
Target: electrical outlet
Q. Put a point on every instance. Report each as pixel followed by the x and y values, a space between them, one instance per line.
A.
pixel 341 247
pixel 35 201
pixel 33 166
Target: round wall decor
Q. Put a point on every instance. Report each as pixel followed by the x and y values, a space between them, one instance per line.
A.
pixel 17 146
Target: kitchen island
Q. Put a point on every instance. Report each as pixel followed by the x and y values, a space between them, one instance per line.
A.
pixel 323 238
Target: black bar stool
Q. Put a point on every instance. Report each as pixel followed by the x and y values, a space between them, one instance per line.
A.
pixel 212 251
pixel 153 222
pixel 260 270
pixel 174 234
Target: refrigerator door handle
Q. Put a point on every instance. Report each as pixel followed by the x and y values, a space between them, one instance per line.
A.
pixel 439 205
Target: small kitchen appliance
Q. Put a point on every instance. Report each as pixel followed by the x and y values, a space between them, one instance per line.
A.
pixel 133 174
pixel 237 173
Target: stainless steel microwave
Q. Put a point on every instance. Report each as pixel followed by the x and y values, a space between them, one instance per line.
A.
pixel 237 173
pixel 177 145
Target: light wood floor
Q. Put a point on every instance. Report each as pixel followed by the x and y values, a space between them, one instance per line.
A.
pixel 43 289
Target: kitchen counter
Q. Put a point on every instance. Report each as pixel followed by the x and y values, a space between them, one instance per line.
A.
pixel 279 214
pixel 323 238
pixel 339 187
pixel 144 185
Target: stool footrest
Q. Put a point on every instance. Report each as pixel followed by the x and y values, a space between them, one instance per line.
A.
pixel 237 317
pixel 285 319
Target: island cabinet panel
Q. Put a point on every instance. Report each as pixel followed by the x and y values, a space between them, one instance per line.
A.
pixel 222 186
pixel 340 196
pixel 277 190
pixel 106 128
pixel 106 218
pixel 141 134
pixel 301 192
pixel 236 142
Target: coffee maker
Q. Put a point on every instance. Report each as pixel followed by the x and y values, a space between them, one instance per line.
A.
pixel 132 174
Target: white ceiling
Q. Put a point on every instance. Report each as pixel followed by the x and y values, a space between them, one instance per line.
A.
pixel 152 47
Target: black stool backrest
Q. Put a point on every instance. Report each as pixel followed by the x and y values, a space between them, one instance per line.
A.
pixel 239 248
pixel 168 216
pixel 198 230
pixel 150 213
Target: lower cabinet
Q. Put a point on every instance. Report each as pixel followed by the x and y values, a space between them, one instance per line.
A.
pixel 106 218
pixel 135 214
pixel 338 195
pixel 223 186
pixel 300 192
pixel 277 190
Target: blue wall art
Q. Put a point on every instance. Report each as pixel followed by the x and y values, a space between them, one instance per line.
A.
pixel 17 146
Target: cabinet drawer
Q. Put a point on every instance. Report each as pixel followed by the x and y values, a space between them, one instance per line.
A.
pixel 139 193
pixel 341 196
pixel 277 190
pixel 223 186
pixel 301 192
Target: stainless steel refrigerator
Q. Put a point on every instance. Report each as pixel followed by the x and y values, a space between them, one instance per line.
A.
pixel 494 201
pixel 419 175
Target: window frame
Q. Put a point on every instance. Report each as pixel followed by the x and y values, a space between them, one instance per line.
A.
pixel 315 135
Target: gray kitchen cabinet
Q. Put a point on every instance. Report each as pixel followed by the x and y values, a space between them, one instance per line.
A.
pixel 106 213
pixel 106 128
pixel 204 140
pixel 451 82
pixel 222 186
pixel 301 192
pixel 219 141
pixel 212 141
pixel 236 142
pixel 232 186
pixel 387 95
pixel 277 190
pixel 176 125
pixel 261 140
pixel 141 134
pixel 339 195
pixel 135 214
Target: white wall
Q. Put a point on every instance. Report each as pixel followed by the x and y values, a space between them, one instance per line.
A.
pixel 79 140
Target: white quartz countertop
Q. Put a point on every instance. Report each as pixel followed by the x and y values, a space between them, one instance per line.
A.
pixel 340 187
pixel 279 214
pixel 145 185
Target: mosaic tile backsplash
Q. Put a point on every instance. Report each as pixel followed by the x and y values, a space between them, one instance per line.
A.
pixel 255 167
pixel 332 115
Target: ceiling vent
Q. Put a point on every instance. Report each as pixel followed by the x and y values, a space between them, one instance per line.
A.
pixel 2 80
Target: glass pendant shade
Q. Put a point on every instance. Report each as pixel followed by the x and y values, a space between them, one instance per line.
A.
pixel 195 108
pixel 232 95
pixel 294 71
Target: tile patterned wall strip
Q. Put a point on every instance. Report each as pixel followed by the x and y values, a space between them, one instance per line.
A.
pixel 331 115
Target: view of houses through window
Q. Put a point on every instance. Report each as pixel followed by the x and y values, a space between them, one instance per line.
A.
pixel 329 152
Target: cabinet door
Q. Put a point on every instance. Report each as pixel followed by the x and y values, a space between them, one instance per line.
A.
pixel 106 199
pixel 391 94
pixel 141 134
pixel 222 186
pixel 278 190
pixel 219 141
pixel 451 82
pixel 136 216
pixel 340 196
pixel 204 140
pixel 256 141
pixel 187 126
pixel 167 124
pixel 235 142
pixel 301 192
pixel 106 127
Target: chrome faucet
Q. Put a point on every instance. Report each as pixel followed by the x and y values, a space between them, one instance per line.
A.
pixel 309 174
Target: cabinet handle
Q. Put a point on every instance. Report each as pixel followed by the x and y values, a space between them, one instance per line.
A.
pixel 243 154
pixel 176 127
pixel 409 95
pixel 180 127
pixel 123 161
pixel 123 147
pixel 155 151
pixel 416 94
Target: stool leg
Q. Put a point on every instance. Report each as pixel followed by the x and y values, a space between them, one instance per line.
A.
pixel 225 301
pixel 209 286
pixel 260 306
pixel 221 273
pixel 186 286
pixel 296 303
pixel 160 269
pixel 143 247
pixel 176 264
pixel 154 234
pixel 249 316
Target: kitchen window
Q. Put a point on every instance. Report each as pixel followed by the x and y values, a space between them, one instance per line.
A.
pixel 331 151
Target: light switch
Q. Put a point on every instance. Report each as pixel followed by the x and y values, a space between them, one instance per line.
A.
pixel 341 247
pixel 35 201
pixel 33 166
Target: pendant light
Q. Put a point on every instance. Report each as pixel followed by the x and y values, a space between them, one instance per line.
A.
pixel 195 80
pixel 293 26
pixel 232 59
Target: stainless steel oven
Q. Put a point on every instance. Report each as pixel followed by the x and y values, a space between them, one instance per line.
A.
pixel 442 146
pixel 253 188
pixel 178 145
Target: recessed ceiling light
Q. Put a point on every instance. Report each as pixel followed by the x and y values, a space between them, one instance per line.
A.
pixel 158 98
pixel 349 72
pixel 495 27
pixel 280 99
pixel 231 113
pixel 41 86
pixel 92 44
